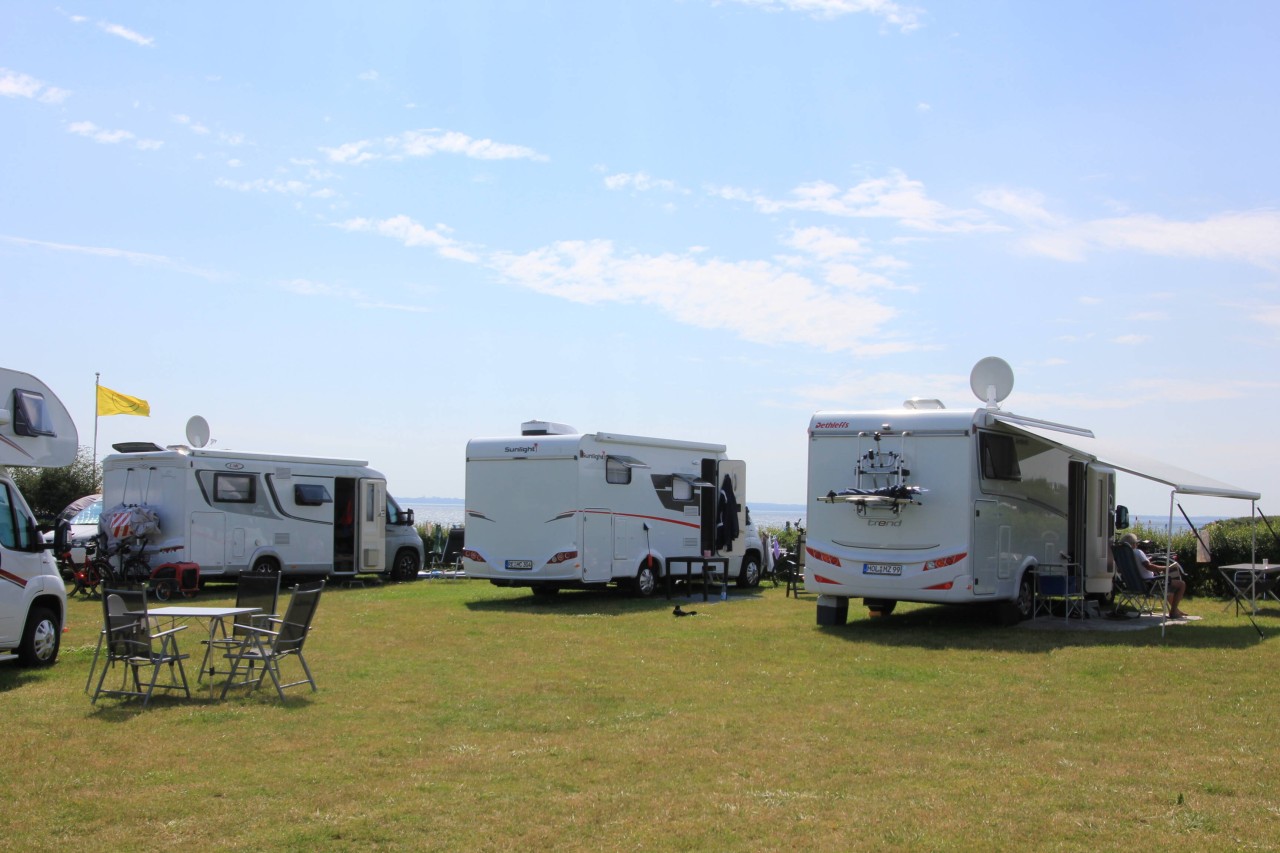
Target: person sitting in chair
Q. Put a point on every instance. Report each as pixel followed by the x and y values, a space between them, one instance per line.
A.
pixel 1149 570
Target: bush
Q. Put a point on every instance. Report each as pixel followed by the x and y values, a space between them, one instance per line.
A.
pixel 1230 541
pixel 49 490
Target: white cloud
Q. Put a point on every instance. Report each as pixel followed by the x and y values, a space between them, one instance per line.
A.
pixel 642 182
pixel 905 18
pixel 190 123
pixel 824 242
pixel 894 196
pixel 756 300
pixel 308 288
pixel 413 234
pixel 1025 205
pixel 266 185
pixel 1250 237
pixel 425 143
pixel 125 33
pixel 14 84
pixel 89 130
pixel 1131 340
pixel 367 76
pixel 139 258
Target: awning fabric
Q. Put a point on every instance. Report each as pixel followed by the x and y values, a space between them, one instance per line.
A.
pixel 1180 480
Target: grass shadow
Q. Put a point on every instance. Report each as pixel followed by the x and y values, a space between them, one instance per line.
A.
pixel 609 601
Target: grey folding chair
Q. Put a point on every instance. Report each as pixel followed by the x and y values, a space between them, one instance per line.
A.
pixel 129 640
pixel 252 590
pixel 1130 586
pixel 268 647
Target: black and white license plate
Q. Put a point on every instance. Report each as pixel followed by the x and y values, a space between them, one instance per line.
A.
pixel 520 564
pixel 882 568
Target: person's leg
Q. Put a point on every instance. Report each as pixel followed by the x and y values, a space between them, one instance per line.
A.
pixel 1177 588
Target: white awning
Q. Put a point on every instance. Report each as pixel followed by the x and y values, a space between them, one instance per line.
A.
pixel 1180 480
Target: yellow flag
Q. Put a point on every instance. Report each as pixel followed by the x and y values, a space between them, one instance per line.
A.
pixel 114 403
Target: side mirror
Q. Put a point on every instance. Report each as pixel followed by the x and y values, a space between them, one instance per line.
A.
pixel 61 535
pixel 406 517
pixel 1122 517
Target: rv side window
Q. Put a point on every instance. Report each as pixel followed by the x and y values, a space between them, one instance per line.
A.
pixel 9 525
pixel 681 490
pixel 616 472
pixel 30 415
pixel 234 488
pixel 999 457
pixel 310 494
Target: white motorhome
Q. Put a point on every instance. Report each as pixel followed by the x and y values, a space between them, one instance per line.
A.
pixel 946 506
pixel 35 431
pixel 553 508
pixel 232 512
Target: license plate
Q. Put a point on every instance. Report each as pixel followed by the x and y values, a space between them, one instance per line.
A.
pixel 882 568
pixel 519 564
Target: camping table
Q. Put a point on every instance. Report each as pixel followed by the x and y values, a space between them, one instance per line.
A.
pixel 688 572
pixel 216 617
pixel 1251 583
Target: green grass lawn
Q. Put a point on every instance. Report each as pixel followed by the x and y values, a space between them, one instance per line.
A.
pixel 455 715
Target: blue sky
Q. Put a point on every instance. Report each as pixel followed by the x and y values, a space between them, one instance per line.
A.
pixel 378 230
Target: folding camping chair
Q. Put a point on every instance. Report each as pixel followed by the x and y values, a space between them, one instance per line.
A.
pixel 269 647
pixel 256 589
pixel 129 641
pixel 1131 587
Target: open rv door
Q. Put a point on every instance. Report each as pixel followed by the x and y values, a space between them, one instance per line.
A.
pixel 372 512
pixel 733 492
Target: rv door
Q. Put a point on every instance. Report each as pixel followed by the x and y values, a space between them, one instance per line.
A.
pixel 372 529
pixel 597 546
pixel 735 470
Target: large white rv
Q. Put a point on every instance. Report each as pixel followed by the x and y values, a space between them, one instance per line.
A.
pixel 35 431
pixel 946 506
pixel 232 512
pixel 553 508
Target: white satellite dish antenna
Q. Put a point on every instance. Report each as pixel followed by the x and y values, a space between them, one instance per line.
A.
pixel 197 431
pixel 991 380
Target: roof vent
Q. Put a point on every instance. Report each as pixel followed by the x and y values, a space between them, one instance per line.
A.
pixel 922 403
pixel 546 428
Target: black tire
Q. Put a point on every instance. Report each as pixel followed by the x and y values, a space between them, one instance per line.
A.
pixel 749 574
pixel 265 566
pixel 881 608
pixel 1021 607
pixel 646 581
pixel 41 638
pixel 405 567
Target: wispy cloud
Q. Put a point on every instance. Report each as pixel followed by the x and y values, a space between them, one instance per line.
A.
pixel 191 124
pixel 1250 236
pixel 139 258
pixel 308 288
pixel 905 18
pixel 89 130
pixel 267 185
pixel 642 182
pixel 413 234
pixel 14 84
pixel 426 143
pixel 759 301
pixel 894 197
pixel 125 33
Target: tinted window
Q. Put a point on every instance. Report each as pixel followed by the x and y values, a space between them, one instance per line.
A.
pixel 310 494
pixel 999 457
pixel 234 488
pixel 30 415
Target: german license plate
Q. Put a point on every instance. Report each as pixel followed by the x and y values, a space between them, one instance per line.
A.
pixel 520 564
pixel 882 568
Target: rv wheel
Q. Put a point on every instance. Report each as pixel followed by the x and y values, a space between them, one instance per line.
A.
pixel 40 638
pixel 646 582
pixel 749 574
pixel 1020 608
pixel 265 566
pixel 406 566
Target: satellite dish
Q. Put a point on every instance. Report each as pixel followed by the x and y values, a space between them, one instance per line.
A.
pixel 197 431
pixel 991 380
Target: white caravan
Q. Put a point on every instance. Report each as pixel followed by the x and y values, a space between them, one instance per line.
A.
pixel 553 508
pixel 958 507
pixel 35 431
pixel 232 512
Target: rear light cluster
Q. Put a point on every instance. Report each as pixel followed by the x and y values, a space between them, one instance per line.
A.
pixel 468 554
pixel 943 562
pixel 562 557
pixel 822 556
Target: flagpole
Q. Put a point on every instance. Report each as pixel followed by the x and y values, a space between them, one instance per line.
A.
pixel 96 378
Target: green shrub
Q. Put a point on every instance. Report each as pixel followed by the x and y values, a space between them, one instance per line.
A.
pixel 1230 541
